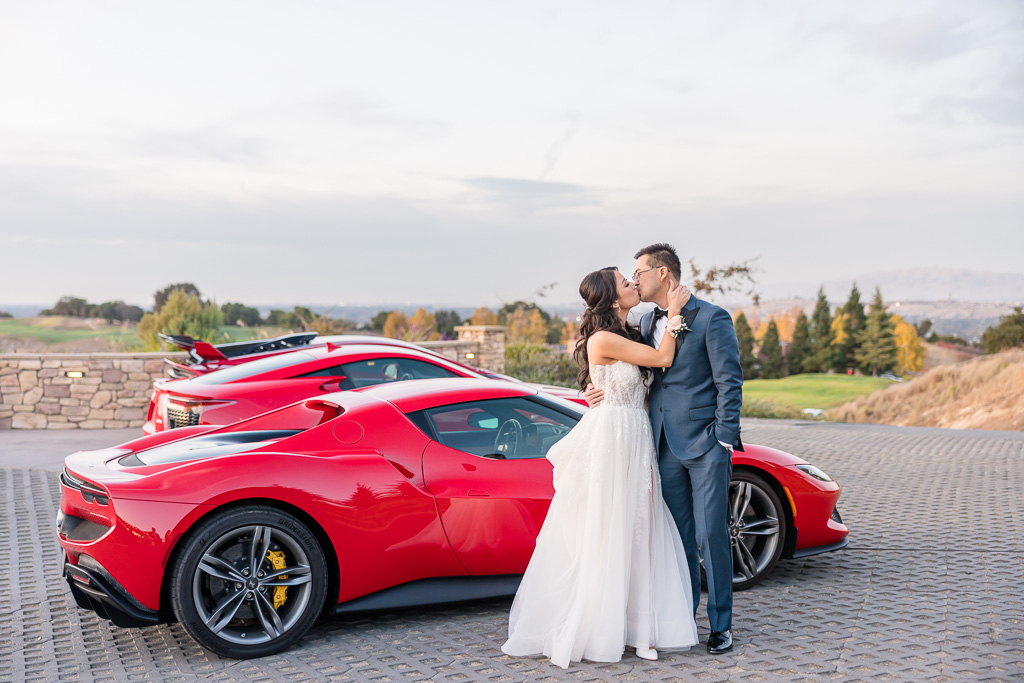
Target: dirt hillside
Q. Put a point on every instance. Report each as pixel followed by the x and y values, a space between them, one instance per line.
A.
pixel 984 393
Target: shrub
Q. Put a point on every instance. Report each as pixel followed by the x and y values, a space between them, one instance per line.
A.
pixel 759 407
pixel 182 314
pixel 539 363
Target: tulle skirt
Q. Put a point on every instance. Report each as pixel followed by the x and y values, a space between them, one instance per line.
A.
pixel 608 570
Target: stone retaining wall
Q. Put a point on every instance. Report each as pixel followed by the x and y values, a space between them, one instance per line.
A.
pixel 114 389
pixel 112 393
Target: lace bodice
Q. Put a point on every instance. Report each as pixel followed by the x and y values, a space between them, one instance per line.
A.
pixel 621 383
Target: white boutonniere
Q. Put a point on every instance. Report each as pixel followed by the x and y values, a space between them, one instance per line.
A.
pixel 678 326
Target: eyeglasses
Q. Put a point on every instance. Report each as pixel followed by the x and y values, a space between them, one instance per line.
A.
pixel 638 273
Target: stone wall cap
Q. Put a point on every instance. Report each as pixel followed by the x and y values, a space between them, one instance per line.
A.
pixel 448 342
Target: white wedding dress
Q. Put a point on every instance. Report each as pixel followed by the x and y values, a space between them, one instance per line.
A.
pixel 608 570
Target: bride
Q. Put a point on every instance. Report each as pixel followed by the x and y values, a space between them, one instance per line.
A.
pixel 608 570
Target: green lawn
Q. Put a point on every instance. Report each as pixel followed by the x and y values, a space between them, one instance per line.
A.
pixel 49 331
pixel 21 327
pixel 813 390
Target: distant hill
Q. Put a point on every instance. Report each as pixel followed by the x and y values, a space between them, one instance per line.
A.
pixel 984 393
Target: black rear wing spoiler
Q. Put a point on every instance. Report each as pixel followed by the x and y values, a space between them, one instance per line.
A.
pixel 200 351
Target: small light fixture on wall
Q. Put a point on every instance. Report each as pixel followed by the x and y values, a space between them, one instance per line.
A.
pixel 470 356
pixel 74 374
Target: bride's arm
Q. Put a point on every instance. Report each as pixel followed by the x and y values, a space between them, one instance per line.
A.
pixel 608 346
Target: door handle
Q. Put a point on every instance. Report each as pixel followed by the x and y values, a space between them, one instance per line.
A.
pixel 478 492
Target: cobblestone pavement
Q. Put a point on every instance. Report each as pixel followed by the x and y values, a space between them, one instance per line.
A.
pixel 930 588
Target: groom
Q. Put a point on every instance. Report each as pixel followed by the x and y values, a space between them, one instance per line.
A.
pixel 694 407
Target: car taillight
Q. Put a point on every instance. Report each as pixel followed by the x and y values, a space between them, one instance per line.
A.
pixel 185 412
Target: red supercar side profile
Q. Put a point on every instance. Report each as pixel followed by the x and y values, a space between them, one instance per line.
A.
pixel 404 493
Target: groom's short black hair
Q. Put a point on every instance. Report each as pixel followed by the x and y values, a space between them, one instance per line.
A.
pixel 662 254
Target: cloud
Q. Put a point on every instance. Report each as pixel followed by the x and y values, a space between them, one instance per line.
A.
pixel 555 150
pixel 1002 104
pixel 530 194
pixel 913 40
pixel 205 143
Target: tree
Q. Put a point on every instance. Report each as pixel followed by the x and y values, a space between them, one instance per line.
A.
pixel 570 335
pixel 909 347
pixel 924 327
pixel 484 316
pixel 422 326
pixel 395 324
pixel 820 358
pixel 527 326
pixel 1006 335
pixel 876 348
pixel 240 314
pixel 377 321
pixel 161 297
pixel 853 323
pixel 70 306
pixel 800 352
pixel 772 362
pixel 735 277
pixel 748 361
pixel 553 325
pixel 181 314
pixel 446 322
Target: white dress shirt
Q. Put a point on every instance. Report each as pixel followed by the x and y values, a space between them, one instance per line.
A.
pixel 659 328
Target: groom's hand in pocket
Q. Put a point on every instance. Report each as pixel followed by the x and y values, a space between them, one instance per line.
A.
pixel 593 396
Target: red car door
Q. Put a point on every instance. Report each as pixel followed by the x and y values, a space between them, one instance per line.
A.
pixel 492 492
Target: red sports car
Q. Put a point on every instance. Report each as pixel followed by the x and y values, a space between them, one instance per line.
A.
pixel 204 357
pixel 249 388
pixel 405 493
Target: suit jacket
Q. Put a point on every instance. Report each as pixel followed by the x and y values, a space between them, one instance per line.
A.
pixel 697 400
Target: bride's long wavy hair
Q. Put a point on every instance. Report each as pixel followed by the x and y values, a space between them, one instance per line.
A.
pixel 600 292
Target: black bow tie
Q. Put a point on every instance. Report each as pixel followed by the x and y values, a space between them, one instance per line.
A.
pixel 659 313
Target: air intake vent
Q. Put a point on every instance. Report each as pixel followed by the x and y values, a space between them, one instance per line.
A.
pixel 179 417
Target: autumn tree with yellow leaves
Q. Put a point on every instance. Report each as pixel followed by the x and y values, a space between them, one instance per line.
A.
pixel 910 349
pixel 484 316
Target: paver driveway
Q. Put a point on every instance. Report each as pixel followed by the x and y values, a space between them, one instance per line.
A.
pixel 931 587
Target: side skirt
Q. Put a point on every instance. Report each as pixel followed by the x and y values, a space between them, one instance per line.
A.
pixel 436 591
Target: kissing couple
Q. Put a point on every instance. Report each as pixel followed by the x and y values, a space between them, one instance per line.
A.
pixel 642 482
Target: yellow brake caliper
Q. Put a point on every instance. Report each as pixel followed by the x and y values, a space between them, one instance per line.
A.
pixel 276 558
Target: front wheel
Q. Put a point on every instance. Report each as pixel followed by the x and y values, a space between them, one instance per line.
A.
pixel 249 582
pixel 757 528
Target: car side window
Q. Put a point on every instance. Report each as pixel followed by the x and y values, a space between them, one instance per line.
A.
pixel 503 428
pixel 367 373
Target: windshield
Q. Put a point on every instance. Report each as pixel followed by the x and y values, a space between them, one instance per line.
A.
pixel 255 367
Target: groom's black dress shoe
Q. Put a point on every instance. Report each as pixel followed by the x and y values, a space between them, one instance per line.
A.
pixel 719 642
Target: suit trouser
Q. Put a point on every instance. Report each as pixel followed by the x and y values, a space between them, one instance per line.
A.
pixel 697 494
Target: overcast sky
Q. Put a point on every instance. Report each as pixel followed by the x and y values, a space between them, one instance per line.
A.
pixel 470 152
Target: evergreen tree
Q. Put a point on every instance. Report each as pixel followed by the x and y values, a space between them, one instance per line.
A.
pixel 446 322
pixel 853 324
pixel 748 361
pixel 820 358
pixel 800 351
pixel 876 352
pixel 1007 334
pixel 772 362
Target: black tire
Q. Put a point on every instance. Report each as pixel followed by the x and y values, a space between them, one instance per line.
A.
pixel 226 579
pixel 757 528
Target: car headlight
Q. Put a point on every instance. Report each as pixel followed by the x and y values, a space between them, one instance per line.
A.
pixel 813 471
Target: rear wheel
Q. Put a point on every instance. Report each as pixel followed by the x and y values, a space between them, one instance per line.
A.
pixel 249 582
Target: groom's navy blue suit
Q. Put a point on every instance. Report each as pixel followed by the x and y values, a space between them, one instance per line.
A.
pixel 694 405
